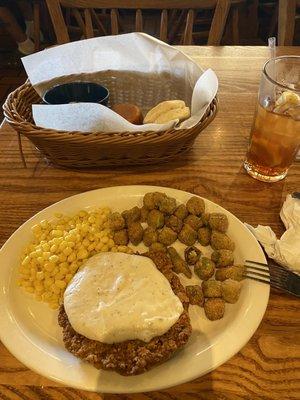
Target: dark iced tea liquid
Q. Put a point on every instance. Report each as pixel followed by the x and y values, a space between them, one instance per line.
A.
pixel 274 142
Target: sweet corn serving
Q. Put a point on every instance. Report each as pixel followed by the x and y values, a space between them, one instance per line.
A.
pixel 59 248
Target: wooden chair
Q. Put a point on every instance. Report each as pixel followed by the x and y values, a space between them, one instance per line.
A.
pixel 286 21
pixel 86 16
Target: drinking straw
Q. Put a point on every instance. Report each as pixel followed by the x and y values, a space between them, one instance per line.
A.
pixel 272 47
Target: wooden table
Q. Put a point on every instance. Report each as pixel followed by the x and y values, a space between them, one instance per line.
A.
pixel 268 367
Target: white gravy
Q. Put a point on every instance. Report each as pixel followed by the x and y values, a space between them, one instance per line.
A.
pixel 116 297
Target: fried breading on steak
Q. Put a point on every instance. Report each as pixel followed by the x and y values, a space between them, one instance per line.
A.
pixel 133 357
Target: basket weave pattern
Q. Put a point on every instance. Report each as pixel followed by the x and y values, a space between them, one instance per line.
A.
pixel 82 150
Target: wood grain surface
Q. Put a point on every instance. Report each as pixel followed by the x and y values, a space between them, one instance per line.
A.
pixel 268 367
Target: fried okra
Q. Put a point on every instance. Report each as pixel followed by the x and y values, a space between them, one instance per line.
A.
pixel 223 257
pixel 158 197
pixel 195 295
pixel 132 215
pixel 234 272
pixel 192 255
pixel 179 265
pixel 194 221
pixel 121 237
pixel 174 223
pixel 149 236
pixel 135 233
pixel 195 205
pixel 205 268
pixel 156 246
pixel 144 214
pixel 167 236
pixel 204 235
pixel 155 219
pixel 149 201
pixel 211 288
pixel 167 205
pixel 214 308
pixel 181 212
pixel 116 221
pixel 187 235
pixel 218 222
pixel 231 290
pixel 221 241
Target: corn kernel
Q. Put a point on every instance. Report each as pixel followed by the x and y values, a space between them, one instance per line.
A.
pixel 85 242
pixel 104 248
pixel 69 277
pixel 54 248
pixel 55 271
pixel 44 224
pixel 29 289
pixel 111 243
pixel 40 260
pixel 36 229
pixel 46 255
pixel 72 257
pixel 54 259
pixel 48 282
pixel 25 261
pixel 45 247
pixel 82 254
pixel 55 289
pixel 84 228
pixel 105 240
pixel 99 246
pixel 37 253
pixel 62 257
pixel 91 247
pixel 39 288
pixel 56 233
pixel 62 246
pixel 67 251
pixel 61 284
pixel 40 275
pixel 59 275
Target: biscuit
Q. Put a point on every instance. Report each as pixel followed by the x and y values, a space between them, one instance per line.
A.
pixel 167 111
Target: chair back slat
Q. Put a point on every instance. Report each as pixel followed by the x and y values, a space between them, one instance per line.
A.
pixel 98 22
pixel 163 32
pixel 218 22
pixel 79 19
pixel 114 21
pixel 89 32
pixel 56 15
pixel 138 20
pixel 188 31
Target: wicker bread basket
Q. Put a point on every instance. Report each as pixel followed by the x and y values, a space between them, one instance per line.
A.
pixel 82 150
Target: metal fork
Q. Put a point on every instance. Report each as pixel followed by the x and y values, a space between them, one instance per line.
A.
pixel 273 274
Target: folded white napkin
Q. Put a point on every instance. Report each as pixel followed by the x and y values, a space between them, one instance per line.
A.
pixel 286 250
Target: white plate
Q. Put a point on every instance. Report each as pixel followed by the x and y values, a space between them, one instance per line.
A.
pixel 30 331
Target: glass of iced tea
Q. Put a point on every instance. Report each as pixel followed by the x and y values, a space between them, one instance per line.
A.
pixel 275 133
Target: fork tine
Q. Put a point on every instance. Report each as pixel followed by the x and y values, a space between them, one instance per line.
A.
pixel 264 271
pixel 257 263
pixel 256 279
pixel 278 275
pixel 258 273
pixel 272 284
